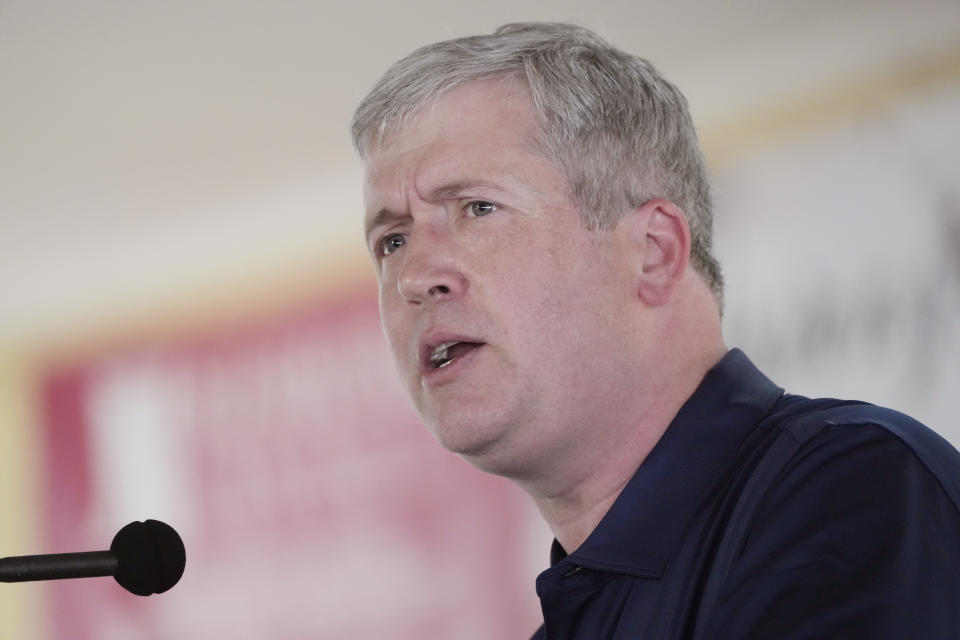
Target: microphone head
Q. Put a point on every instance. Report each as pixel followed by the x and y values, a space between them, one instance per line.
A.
pixel 150 557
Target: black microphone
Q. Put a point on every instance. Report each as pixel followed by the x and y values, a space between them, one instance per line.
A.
pixel 145 558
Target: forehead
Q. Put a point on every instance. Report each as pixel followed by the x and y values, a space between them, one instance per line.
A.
pixel 484 120
pixel 474 102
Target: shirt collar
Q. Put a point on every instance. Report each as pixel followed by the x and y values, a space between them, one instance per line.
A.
pixel 648 518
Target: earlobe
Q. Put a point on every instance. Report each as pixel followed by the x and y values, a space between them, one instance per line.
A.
pixel 660 239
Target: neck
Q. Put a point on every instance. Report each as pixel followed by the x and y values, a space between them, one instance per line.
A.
pixel 592 475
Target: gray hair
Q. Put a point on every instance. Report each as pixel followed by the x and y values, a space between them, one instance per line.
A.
pixel 618 130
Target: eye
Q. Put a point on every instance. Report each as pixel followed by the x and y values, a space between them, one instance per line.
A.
pixel 480 208
pixel 390 243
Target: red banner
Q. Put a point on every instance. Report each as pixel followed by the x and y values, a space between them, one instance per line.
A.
pixel 312 502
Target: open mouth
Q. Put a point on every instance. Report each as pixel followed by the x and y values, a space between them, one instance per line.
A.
pixel 445 353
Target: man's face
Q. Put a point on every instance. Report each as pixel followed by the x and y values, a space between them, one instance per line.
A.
pixel 509 322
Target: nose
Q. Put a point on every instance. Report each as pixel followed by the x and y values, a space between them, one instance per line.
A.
pixel 430 271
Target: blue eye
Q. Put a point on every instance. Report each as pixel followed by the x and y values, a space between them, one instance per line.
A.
pixel 481 208
pixel 391 242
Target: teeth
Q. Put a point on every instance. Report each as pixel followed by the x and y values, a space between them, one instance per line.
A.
pixel 439 357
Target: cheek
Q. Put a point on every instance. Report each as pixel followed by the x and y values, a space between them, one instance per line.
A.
pixel 544 311
pixel 391 322
pixel 576 296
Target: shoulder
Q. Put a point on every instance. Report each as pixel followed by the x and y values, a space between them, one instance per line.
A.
pixel 849 525
pixel 826 437
pixel 850 464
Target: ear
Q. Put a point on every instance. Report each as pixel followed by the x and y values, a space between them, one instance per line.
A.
pixel 659 243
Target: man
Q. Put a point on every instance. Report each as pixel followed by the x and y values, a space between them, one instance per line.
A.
pixel 539 217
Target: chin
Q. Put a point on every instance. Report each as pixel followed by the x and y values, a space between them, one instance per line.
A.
pixel 488 451
pixel 499 465
pixel 464 444
pixel 481 434
pixel 470 440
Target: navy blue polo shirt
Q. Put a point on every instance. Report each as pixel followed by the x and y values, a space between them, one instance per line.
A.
pixel 761 514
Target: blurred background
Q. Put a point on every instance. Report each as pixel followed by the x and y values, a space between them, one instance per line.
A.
pixel 188 323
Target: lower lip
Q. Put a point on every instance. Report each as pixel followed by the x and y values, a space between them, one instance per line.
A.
pixel 434 377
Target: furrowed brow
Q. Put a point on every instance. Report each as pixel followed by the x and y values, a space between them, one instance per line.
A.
pixel 382 217
pixel 443 192
pixel 454 189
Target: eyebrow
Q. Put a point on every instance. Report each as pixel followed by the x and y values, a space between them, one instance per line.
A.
pixel 382 217
pixel 453 189
pixel 443 192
